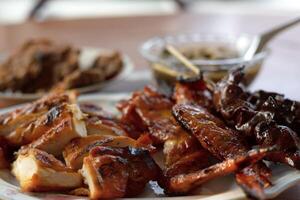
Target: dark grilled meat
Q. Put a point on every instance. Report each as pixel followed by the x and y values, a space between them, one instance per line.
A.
pixel 222 142
pixel 184 183
pixel 286 112
pixel 258 121
pixel 193 90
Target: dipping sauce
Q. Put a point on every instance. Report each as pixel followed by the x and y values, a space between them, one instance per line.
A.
pixel 215 55
pixel 207 52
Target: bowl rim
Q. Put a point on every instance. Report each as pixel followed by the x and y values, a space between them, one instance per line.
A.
pixel 224 63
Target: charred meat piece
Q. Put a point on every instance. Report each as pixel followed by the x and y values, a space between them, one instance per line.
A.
pixel 153 111
pixel 286 112
pixel 130 115
pixel 211 132
pixel 79 148
pixel 222 142
pixel 193 90
pixel 24 116
pixel 184 183
pixel 189 163
pixel 69 126
pixel 256 121
pixel 118 172
pixel 38 171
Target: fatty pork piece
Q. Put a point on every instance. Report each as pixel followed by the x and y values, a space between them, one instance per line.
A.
pixel 99 121
pixel 104 126
pixel 38 171
pixel 13 123
pixel 63 123
pixel 118 172
pixel 79 148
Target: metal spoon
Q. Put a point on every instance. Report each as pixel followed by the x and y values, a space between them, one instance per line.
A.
pixel 260 41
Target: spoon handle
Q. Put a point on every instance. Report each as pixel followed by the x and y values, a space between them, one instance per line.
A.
pixel 267 36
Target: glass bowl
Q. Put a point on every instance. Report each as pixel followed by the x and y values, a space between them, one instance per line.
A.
pixel 213 67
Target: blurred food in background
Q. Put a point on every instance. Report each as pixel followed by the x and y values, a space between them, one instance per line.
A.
pixel 41 64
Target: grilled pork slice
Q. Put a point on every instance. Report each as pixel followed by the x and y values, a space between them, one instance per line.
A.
pixel 38 171
pixel 66 122
pixel 29 132
pixel 79 148
pixel 94 111
pixel 22 118
pixel 118 172
pixel 104 127
pixel 100 122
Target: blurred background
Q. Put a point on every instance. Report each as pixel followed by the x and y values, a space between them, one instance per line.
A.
pixel 18 11
pixel 111 24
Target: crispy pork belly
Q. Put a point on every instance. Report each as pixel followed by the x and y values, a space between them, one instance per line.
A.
pixel 118 172
pixel 79 148
pixel 69 125
pixel 23 117
pixel 31 131
pixel 38 171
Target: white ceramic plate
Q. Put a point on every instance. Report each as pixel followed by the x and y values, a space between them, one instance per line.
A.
pixel 223 188
pixel 87 56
